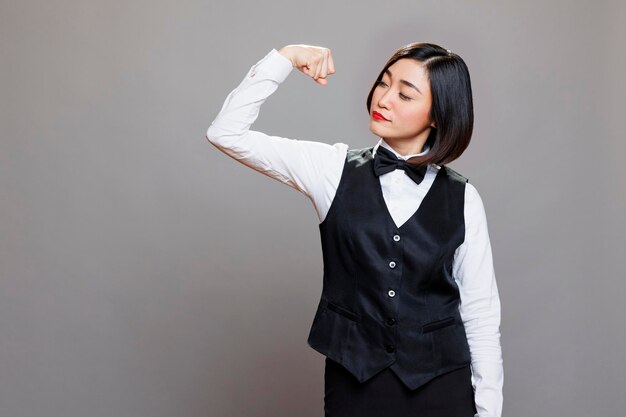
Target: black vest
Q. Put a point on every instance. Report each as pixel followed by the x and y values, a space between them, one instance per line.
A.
pixel 389 298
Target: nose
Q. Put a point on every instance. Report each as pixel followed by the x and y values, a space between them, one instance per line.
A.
pixel 383 99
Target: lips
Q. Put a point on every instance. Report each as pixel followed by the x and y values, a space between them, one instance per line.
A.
pixel 379 116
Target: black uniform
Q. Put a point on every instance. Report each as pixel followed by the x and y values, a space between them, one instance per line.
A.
pixel 388 319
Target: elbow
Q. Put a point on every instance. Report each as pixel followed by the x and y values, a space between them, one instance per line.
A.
pixel 224 138
pixel 220 136
pixel 212 135
pixel 216 137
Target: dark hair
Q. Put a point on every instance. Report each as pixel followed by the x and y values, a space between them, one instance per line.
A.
pixel 452 105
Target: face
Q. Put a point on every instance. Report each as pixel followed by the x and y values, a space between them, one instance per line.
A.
pixel 403 97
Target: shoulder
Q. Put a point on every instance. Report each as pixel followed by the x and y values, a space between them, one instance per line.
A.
pixel 358 156
pixel 454 175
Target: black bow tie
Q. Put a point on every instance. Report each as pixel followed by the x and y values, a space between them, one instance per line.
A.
pixel 385 161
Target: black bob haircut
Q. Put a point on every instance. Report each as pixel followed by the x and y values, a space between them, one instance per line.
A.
pixel 452 105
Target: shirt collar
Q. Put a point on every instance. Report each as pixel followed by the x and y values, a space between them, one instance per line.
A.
pixel 384 144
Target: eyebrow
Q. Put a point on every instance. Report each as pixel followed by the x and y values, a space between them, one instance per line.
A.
pixel 405 82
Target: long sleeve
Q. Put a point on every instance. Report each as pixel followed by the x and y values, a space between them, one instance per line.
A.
pixel 311 167
pixel 480 307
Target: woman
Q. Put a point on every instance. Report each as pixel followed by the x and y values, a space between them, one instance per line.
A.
pixel 409 315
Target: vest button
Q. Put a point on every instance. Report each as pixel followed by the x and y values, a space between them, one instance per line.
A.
pixel 392 264
pixel 390 348
pixel 391 293
pixel 391 321
pixel 396 237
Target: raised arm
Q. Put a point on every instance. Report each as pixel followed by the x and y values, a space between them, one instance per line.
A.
pixel 480 307
pixel 308 166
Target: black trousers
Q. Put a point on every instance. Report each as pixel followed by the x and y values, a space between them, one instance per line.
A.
pixel 384 395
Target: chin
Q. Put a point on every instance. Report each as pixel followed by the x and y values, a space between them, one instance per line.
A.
pixel 375 129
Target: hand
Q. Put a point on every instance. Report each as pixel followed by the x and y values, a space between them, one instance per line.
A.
pixel 314 61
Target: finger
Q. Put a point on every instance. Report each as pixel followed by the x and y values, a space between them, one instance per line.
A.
pixel 324 73
pixel 320 78
pixel 331 64
pixel 318 67
pixel 306 69
pixel 319 73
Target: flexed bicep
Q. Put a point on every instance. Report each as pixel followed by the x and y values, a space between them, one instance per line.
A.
pixel 310 167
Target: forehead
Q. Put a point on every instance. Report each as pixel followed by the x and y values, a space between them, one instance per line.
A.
pixel 410 70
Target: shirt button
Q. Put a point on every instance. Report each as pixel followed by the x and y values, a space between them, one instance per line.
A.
pixel 391 321
pixel 392 264
pixel 396 237
pixel 390 348
pixel 391 293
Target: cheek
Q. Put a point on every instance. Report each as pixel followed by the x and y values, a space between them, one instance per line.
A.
pixel 415 116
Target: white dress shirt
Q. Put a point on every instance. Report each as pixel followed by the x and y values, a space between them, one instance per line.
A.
pixel 314 168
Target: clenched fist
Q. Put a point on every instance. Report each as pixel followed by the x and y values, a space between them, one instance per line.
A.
pixel 314 61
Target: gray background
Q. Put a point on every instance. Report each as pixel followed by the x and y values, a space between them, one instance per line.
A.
pixel 144 273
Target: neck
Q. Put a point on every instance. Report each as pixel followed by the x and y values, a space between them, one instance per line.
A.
pixel 403 148
pixel 409 147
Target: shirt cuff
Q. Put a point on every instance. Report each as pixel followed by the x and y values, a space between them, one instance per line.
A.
pixel 273 65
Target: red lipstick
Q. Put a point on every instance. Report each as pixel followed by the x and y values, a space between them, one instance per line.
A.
pixel 378 116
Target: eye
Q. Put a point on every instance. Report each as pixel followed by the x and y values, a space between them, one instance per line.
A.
pixel 402 96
